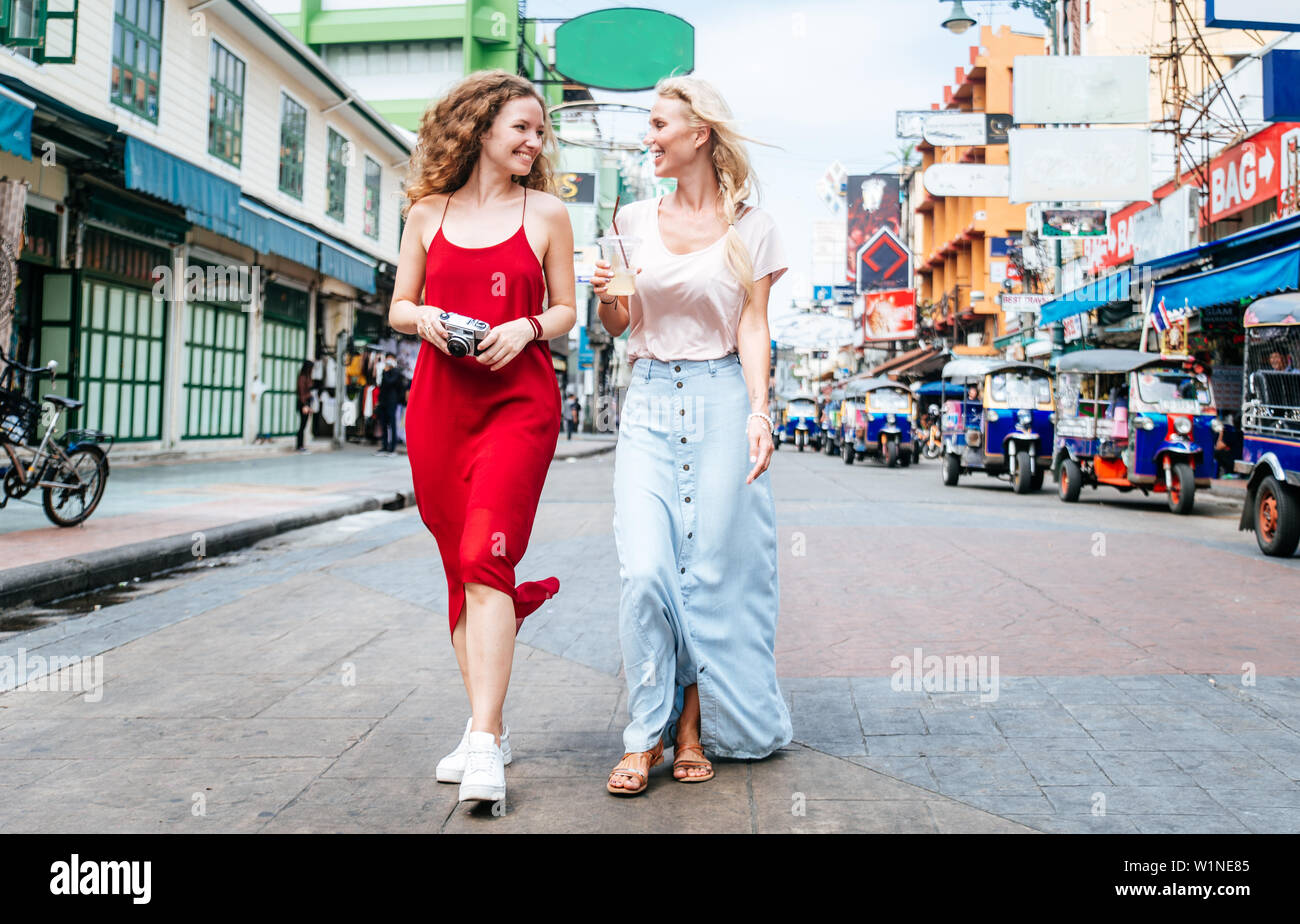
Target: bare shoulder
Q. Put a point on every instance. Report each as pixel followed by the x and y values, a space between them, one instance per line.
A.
pixel 426 207
pixel 549 204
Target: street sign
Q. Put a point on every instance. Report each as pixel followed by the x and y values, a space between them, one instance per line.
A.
pixel 988 180
pixel 1018 302
pixel 957 128
pixel 1071 89
pixel 1279 15
pixel 821 293
pixel 884 262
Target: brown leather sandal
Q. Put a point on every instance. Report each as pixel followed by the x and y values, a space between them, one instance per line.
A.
pixel 679 761
pixel 656 758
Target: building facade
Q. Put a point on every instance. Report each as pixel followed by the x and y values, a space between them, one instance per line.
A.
pixel 208 207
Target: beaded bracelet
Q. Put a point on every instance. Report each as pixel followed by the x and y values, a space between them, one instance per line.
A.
pixel 762 417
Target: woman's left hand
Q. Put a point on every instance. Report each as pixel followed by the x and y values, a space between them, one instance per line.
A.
pixel 760 447
pixel 504 342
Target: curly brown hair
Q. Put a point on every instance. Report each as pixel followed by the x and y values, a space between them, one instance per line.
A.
pixel 451 132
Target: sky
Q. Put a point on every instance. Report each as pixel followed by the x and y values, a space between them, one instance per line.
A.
pixel 822 81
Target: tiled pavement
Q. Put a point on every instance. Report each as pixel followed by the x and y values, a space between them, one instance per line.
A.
pixel 228 683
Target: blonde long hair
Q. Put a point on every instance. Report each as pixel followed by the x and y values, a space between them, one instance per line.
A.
pixel 736 179
pixel 451 131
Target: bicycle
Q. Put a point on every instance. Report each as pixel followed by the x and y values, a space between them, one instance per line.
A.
pixel 70 469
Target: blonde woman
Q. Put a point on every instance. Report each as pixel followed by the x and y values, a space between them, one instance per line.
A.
pixel 694 519
pixel 481 425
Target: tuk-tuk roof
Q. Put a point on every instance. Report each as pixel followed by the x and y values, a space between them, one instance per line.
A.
pixel 1274 309
pixel 1108 361
pixel 974 368
pixel 802 397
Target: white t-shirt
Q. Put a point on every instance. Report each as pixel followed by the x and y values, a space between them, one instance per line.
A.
pixel 687 306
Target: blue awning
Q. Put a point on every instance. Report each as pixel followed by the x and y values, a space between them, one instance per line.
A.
pixel 16 124
pixel 1096 294
pixel 348 265
pixel 267 232
pixel 208 200
pixel 1278 271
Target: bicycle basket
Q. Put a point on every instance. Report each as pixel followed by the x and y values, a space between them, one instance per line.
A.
pixel 18 416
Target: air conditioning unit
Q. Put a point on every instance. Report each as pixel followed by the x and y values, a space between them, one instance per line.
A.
pixel 974 340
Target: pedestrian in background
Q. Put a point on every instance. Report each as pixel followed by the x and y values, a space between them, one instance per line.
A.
pixel 304 400
pixel 392 392
pixel 694 523
pixel 481 427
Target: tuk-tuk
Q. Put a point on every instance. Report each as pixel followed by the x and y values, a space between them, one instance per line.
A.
pixel 1270 424
pixel 881 425
pixel 799 424
pixel 1133 420
pixel 831 421
pixel 1001 424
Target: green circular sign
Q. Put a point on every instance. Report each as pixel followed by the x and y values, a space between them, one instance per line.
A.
pixel 627 48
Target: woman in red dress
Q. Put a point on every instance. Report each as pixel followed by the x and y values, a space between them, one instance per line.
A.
pixel 481 429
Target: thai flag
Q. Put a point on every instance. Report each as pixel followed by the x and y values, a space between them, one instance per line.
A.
pixel 1160 315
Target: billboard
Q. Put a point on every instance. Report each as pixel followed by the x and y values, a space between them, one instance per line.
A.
pixel 1069 89
pixel 953 128
pixel 987 180
pixel 872 202
pixel 1073 223
pixel 1254 171
pixel 1169 227
pixel 889 315
pixel 1279 15
pixel 1080 165
pixel 576 188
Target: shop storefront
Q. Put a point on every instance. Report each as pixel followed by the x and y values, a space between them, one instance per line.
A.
pixel 215 338
pixel 284 348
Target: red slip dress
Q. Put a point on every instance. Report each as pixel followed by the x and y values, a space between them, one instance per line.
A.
pixel 480 442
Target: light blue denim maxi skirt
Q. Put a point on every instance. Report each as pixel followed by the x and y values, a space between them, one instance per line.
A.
pixel 698 561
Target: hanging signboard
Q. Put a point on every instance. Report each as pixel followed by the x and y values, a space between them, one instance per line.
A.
pixel 889 315
pixel 872 204
pixel 1252 172
pixel 910 123
pixel 1282 85
pixel 1069 89
pixel 624 48
pixel 1073 223
pixel 1021 302
pixel 884 262
pixel 576 188
pixel 1169 227
pixel 953 128
pixel 1080 165
pixel 987 180
pixel 1273 15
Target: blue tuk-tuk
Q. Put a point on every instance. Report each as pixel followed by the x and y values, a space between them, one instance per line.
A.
pixel 831 421
pixel 799 425
pixel 1270 424
pixel 1001 424
pixel 1133 420
pixel 881 426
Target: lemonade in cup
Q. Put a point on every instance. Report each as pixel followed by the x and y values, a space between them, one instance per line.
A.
pixel 619 251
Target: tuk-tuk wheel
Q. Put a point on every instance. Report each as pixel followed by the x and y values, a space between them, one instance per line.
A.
pixel 1277 519
pixel 1069 481
pixel 1182 488
pixel 847 452
pixel 1022 483
pixel 951 468
pixel 891 453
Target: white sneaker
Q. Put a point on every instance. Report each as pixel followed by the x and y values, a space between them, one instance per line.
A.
pixel 452 767
pixel 485 770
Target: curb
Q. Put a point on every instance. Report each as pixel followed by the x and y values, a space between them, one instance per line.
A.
pixel 44 581
pixel 78 574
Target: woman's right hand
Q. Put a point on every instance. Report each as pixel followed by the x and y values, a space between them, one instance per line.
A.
pixel 601 278
pixel 429 328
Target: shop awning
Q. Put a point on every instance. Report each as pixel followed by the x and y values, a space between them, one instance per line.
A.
pixel 1278 271
pixel 267 232
pixel 350 266
pixel 16 124
pixel 208 199
pixel 1100 292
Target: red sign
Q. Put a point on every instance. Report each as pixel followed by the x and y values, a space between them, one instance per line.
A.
pixel 889 315
pixel 1117 247
pixel 1248 173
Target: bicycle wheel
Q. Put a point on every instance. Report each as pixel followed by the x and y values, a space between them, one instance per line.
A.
pixel 68 506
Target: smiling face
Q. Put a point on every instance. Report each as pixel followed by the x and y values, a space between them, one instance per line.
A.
pixel 670 138
pixel 515 138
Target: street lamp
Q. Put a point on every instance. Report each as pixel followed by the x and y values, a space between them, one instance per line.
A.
pixel 959 21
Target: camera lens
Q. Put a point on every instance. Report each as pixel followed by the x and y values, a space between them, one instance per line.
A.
pixel 456 347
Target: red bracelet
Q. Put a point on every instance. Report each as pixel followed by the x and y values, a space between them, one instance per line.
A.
pixel 537 327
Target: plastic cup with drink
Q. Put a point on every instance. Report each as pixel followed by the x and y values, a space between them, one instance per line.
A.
pixel 619 250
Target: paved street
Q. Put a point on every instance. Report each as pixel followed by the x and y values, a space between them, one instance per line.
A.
pixel 1146 676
